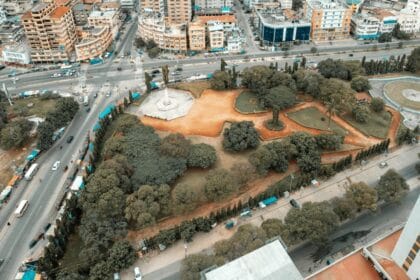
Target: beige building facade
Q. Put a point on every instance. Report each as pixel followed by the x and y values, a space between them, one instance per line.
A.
pixel 197 36
pixel 94 43
pixel 216 35
pixel 50 32
pixel 330 20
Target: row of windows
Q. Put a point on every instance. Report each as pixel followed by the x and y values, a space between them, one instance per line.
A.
pixel 412 254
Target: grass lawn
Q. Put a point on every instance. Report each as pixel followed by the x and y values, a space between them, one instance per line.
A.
pixel 247 103
pixel 196 87
pixel 377 125
pixel 394 91
pixel 313 118
pixel 38 107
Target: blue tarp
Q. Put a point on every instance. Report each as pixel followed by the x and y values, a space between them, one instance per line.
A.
pixel 33 154
pixel 154 85
pixel 225 10
pixel 106 112
pixel 29 275
pixel 136 95
pixel 96 60
pixel 270 200
pixel 96 127
pixel 209 76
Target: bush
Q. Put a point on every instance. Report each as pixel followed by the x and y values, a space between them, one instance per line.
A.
pixel 240 136
pixel 185 198
pixel 153 52
pixel 219 185
pixel 15 134
pixel 201 155
pixel 175 145
pixel 361 113
pixel 329 141
pixel 377 104
pixel 360 84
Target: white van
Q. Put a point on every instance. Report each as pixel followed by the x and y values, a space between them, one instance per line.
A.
pixel 20 210
pixel 137 273
pixel 31 171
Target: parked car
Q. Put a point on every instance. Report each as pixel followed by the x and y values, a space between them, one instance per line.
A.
pixel 47 226
pixel 32 243
pixel 383 164
pixel 294 203
pixel 55 165
pixel 70 139
pixel 137 273
pixel 156 71
pixel 119 68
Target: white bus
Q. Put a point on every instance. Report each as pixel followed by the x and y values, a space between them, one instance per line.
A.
pixel 20 210
pixel 31 171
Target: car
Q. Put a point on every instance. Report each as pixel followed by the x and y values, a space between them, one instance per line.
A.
pixel 47 226
pixel 55 165
pixel 350 54
pixel 383 164
pixel 137 273
pixel 119 68
pixel 294 203
pixel 156 71
pixel 32 243
pixel 87 109
pixel 40 236
pixel 69 139
pixel 95 95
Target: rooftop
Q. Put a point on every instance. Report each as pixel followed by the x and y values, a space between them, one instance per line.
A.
pixel 268 262
pixel 326 4
pixel 103 14
pixel 356 266
pixel 279 17
pixel 59 12
pixel 27 15
pixel 220 18
pixel 110 5
pixel 39 7
pixel 381 13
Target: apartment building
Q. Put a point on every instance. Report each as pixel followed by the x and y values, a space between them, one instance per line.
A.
pixel 408 245
pixel 228 21
pixel 197 36
pixel 234 42
pixel 11 33
pixel 213 4
pixel 50 32
pixel 330 20
pixel 174 11
pixel 108 18
pixel 387 19
pixel 81 13
pixel 286 4
pixel 15 7
pixel 364 26
pixel 277 27
pixel 409 17
pixel 94 43
pixel 151 26
pixel 216 35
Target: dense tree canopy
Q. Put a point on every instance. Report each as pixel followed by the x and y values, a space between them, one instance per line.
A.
pixel 15 134
pixel 314 221
pixel 121 255
pixel 221 80
pixel 309 82
pixel 391 186
pixel 175 145
pixel 360 84
pixel 361 113
pixel 363 196
pixel 192 265
pixel 219 184
pixel 329 142
pixel 148 204
pixel 413 61
pixel 185 198
pixel 279 98
pixel 201 155
pixel 331 68
pixel 240 136
pixel 377 104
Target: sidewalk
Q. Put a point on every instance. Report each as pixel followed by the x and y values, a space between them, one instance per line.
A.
pixel 333 187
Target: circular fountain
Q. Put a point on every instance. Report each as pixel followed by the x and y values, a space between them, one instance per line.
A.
pixel 167 104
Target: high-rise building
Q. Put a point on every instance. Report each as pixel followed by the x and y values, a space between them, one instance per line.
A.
pixel 407 248
pixel 50 32
pixel 330 20
pixel 174 11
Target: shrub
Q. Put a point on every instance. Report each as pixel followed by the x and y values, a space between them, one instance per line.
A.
pixel 240 136
pixel 377 104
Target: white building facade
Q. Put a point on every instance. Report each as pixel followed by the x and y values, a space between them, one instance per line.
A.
pixel 406 252
pixel 364 27
pixel 16 54
pixel 213 4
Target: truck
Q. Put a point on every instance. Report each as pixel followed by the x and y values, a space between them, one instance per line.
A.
pixel 267 202
pixel 31 171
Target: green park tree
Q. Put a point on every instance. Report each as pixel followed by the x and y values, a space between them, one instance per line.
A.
pixel 391 186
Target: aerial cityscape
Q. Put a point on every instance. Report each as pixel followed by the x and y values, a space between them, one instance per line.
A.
pixel 209 139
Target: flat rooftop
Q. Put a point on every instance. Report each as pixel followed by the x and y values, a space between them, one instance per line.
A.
pixel 39 7
pixel 270 262
pixel 220 18
pixel 279 18
pixel 59 12
pixel 355 266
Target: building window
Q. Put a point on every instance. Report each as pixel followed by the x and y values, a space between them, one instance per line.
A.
pixel 406 266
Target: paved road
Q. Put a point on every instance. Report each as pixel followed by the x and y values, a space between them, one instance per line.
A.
pixel 243 23
pixel 96 74
pixel 43 195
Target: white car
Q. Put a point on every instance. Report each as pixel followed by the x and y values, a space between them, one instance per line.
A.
pixel 55 165
pixel 137 273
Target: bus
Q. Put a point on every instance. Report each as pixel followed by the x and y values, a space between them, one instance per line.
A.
pixel 31 171
pixel 20 210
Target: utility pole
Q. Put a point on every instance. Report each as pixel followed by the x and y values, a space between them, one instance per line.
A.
pixel 6 92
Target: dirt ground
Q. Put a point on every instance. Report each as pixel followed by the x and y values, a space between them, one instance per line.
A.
pixel 7 160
